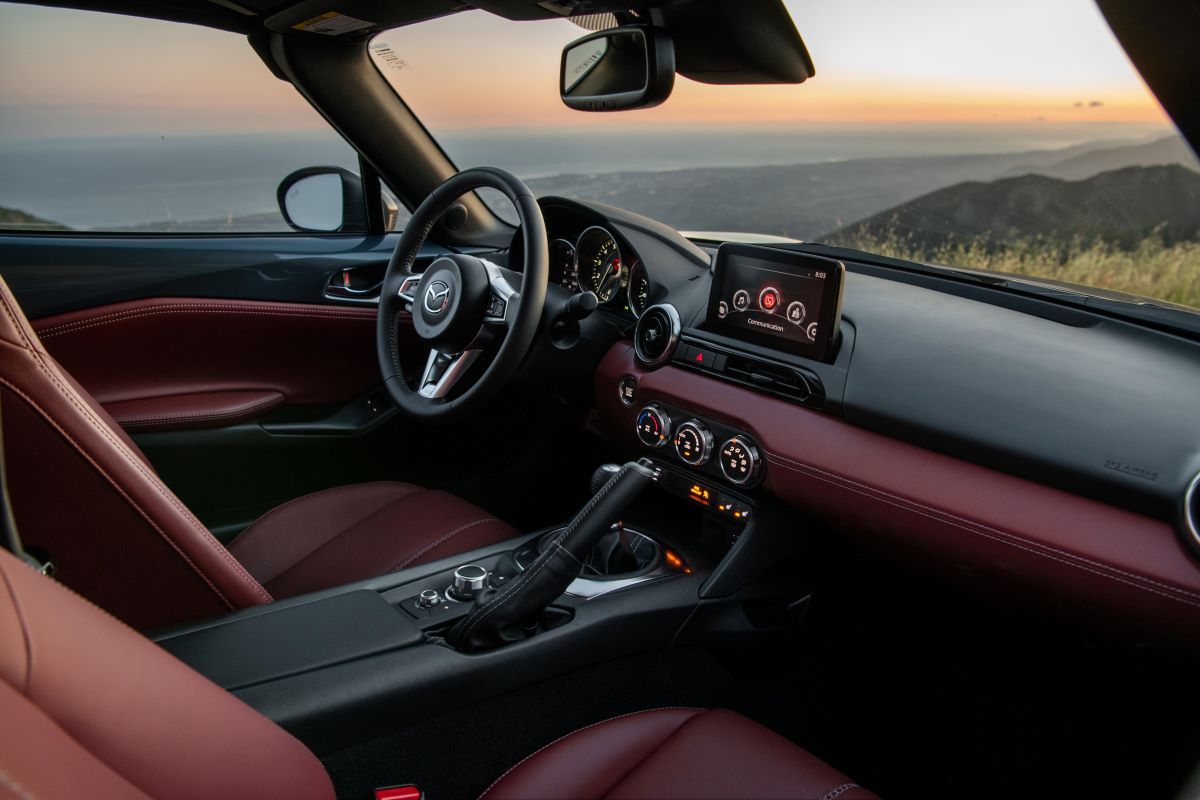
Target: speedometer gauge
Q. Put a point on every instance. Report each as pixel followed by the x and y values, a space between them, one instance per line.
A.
pixel 639 288
pixel 599 265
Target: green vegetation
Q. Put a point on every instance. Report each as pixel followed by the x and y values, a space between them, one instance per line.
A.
pixel 1148 268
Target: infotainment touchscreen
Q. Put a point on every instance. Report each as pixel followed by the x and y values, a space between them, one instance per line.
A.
pixel 776 298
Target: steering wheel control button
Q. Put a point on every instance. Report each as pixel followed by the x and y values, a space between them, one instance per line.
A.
pixel 627 390
pixel 657 335
pixel 469 582
pixel 739 460
pixel 768 299
pixel 693 443
pixel 429 598
pixel 653 426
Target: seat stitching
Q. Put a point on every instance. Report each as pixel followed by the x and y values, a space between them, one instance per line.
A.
pixel 587 727
pixel 440 540
pixel 950 516
pixel 255 525
pixel 116 485
pixel 75 326
pixel 1183 596
pixel 838 791
pixel 16 788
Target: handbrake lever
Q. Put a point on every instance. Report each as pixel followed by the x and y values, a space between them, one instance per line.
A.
pixel 500 615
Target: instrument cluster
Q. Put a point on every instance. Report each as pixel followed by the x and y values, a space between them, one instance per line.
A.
pixel 594 262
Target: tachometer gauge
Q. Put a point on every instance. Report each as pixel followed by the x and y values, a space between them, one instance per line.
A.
pixel 562 265
pixel 639 288
pixel 598 262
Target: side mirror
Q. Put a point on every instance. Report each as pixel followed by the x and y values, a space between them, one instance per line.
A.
pixel 322 200
pixel 621 68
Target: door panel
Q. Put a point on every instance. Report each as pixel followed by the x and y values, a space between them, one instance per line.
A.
pixel 242 380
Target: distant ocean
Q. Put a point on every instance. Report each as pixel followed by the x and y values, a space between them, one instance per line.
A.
pixel 106 182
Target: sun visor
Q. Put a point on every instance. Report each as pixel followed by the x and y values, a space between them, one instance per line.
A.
pixel 750 41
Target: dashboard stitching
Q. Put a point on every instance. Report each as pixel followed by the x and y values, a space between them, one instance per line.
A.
pixel 1070 559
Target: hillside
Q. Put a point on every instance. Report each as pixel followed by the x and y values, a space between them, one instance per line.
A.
pixel 1121 206
pixel 1167 150
pixel 12 219
pixel 806 200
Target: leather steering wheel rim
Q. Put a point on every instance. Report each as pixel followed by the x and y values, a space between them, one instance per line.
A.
pixel 458 273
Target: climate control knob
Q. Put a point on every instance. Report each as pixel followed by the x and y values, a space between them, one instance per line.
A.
pixel 739 460
pixel 653 425
pixel 693 443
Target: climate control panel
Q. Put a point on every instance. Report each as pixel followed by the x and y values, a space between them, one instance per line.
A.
pixel 703 445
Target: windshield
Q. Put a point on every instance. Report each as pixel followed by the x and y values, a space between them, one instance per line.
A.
pixel 998 135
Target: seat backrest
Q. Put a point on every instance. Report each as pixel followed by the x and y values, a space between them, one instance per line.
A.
pixel 90 708
pixel 85 497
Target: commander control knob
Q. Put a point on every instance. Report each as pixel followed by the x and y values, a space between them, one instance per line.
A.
pixel 739 459
pixel 693 443
pixel 653 426
pixel 469 582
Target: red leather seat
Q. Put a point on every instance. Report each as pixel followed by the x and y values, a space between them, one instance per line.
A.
pixel 84 494
pixel 92 709
pixel 674 753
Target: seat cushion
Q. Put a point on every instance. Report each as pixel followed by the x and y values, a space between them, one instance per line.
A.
pixel 675 753
pixel 360 531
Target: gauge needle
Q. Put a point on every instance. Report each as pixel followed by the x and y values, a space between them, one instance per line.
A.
pixel 612 276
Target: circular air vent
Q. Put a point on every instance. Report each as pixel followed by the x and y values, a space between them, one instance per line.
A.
pixel 1191 514
pixel 656 335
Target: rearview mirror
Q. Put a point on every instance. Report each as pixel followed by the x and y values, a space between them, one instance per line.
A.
pixel 621 68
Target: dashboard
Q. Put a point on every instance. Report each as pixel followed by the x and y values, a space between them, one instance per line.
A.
pixel 1035 444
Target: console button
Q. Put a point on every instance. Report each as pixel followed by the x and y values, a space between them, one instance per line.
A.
pixel 739 460
pixel 627 389
pixel 653 426
pixel 700 357
pixel 693 443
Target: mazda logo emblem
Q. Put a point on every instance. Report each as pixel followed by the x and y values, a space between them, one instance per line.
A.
pixel 437 297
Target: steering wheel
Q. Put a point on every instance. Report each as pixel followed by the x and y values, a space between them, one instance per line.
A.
pixel 460 305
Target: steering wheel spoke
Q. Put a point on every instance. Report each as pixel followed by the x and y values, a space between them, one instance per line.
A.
pixel 443 370
pixel 503 296
pixel 408 290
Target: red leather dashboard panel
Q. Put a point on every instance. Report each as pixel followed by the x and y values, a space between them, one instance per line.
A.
pixel 947 512
pixel 159 351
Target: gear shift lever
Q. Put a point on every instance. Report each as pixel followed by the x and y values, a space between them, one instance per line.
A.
pixel 499 614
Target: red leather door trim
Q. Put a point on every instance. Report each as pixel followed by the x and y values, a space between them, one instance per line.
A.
pixel 1110 563
pixel 167 347
pixel 192 411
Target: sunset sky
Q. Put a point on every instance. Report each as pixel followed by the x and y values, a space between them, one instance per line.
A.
pixel 1026 62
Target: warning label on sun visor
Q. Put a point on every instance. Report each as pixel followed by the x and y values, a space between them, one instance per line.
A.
pixel 333 24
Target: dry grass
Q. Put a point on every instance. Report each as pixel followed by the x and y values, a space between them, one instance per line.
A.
pixel 1149 268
